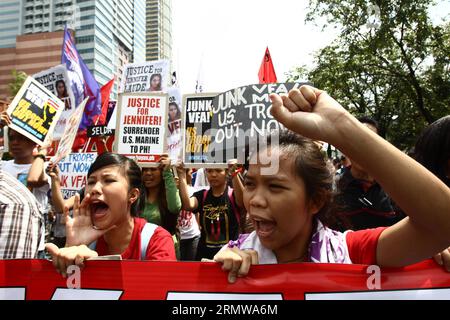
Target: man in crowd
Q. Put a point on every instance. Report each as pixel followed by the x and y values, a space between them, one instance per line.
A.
pixel 28 167
pixel 21 220
pixel 362 203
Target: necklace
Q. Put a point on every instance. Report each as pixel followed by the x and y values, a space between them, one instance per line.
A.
pixel 215 228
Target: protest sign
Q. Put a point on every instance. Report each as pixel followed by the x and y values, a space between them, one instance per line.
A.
pixel 56 80
pixel 104 130
pixel 174 124
pixel 73 171
pixel 196 123
pixel 241 117
pixel 70 133
pixel 97 131
pixel 145 77
pixel 141 126
pixel 35 111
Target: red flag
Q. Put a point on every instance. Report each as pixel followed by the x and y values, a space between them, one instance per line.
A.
pixel 80 141
pixel 266 72
pixel 105 92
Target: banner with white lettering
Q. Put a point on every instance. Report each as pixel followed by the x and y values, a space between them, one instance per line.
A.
pixel 56 80
pixel 196 122
pixel 73 171
pixel 145 77
pixel 141 126
pixel 159 280
pixel 35 111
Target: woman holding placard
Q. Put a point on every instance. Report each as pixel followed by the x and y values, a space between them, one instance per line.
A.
pixel 163 204
pixel 218 209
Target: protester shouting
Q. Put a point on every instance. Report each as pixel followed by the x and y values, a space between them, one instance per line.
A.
pixel 289 208
pixel 106 219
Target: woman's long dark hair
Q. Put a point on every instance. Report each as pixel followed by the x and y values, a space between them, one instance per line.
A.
pixel 178 116
pixel 65 94
pixel 132 172
pixel 153 76
pixel 432 148
pixel 169 219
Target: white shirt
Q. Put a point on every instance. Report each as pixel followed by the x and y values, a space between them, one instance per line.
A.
pixel 20 172
pixel 200 180
pixel 187 223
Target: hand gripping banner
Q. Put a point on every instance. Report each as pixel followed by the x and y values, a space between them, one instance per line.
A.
pixel 154 280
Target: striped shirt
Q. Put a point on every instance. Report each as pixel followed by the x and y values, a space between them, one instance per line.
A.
pixel 20 220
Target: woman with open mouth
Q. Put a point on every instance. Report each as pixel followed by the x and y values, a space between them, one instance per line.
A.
pixel 289 208
pixel 106 221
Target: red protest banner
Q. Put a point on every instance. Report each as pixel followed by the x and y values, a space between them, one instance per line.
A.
pixel 157 280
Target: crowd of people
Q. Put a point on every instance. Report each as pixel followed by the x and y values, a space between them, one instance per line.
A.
pixel 374 205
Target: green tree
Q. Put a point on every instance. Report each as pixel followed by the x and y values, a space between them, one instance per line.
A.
pixel 19 78
pixel 391 63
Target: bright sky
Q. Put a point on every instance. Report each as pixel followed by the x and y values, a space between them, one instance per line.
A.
pixel 229 38
pixel 232 35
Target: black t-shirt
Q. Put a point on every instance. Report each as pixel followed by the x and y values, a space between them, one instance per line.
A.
pixel 359 208
pixel 218 222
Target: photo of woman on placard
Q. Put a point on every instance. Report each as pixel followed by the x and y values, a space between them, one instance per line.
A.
pixel 155 82
pixel 174 112
pixel 61 92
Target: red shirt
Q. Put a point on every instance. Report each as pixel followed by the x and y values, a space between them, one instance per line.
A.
pixel 362 245
pixel 160 246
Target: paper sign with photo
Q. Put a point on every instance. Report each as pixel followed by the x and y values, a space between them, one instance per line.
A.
pixel 141 127
pixel 35 111
pixel 56 80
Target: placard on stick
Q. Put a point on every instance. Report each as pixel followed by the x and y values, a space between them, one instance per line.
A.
pixel 145 77
pixel 241 120
pixel 196 123
pixel 56 80
pixel 73 171
pixel 174 133
pixel 70 132
pixel 141 127
pixel 35 111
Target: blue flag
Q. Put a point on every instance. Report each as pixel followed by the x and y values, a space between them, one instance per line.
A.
pixel 81 80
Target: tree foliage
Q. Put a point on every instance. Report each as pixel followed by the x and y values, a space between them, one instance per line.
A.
pixel 19 78
pixel 391 63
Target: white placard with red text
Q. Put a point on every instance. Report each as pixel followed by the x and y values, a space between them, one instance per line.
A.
pixel 141 127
